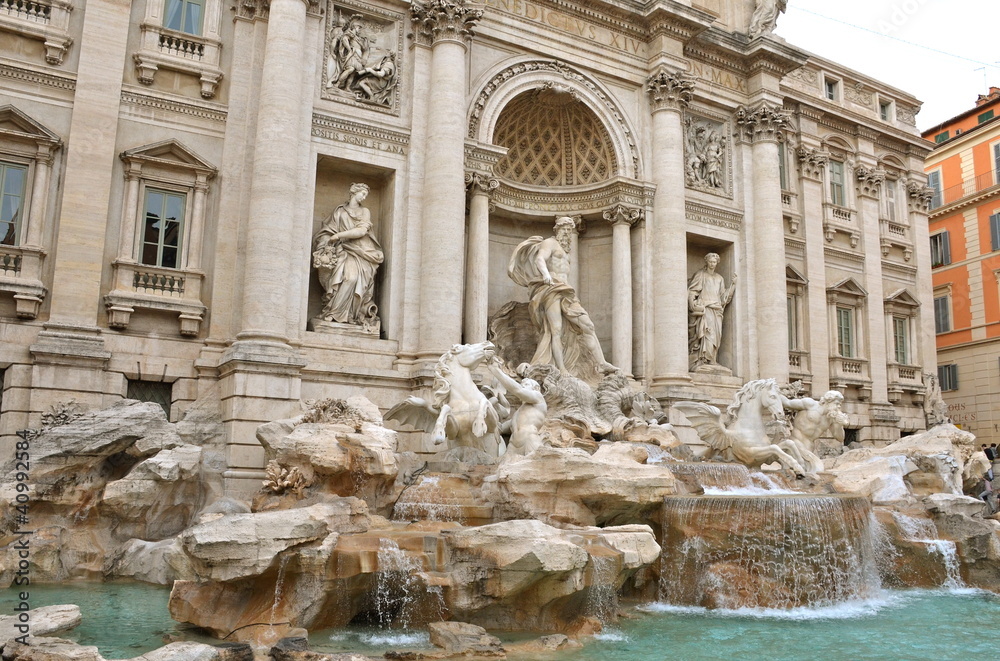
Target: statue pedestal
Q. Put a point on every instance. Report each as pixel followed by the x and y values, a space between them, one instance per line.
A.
pixel 713 369
pixel 320 325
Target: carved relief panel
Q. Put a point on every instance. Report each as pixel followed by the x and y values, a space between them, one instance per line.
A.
pixel 706 155
pixel 363 56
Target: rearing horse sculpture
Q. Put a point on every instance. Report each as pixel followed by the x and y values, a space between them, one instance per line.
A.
pixel 746 440
pixel 459 412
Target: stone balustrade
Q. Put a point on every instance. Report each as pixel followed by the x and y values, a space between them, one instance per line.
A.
pixel 153 288
pixel 42 21
pixel 181 46
pixel 20 275
pixel 30 10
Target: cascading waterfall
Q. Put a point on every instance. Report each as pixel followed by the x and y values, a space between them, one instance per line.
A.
pixel 397 587
pixel 602 597
pixel 923 531
pixel 279 586
pixel 713 475
pixel 781 551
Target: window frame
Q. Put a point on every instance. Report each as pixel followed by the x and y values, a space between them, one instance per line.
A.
pixel 885 110
pixel 20 225
pixel 948 377
pixel 140 242
pixel 837 169
pixel 940 248
pixel 943 322
pixel 183 13
pixel 848 313
pixel 900 323
pixel 831 88
pixel 889 195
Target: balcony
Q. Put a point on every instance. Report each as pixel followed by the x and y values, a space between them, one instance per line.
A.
pixel 154 288
pixel 192 54
pixel 840 219
pixel 968 188
pixel 20 275
pixel 894 234
pixel 43 20
pixel 903 378
pixel 850 372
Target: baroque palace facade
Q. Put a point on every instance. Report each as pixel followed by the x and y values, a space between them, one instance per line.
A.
pixel 168 166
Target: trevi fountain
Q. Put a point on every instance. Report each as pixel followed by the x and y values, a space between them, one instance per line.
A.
pixel 559 508
pixel 560 514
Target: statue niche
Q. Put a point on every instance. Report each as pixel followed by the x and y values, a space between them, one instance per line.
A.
pixel 362 62
pixel 346 256
pixel 708 297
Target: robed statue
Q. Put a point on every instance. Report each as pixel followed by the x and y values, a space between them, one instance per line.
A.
pixel 346 256
pixel 708 297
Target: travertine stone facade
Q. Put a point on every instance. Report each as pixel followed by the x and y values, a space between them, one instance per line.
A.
pixel 172 162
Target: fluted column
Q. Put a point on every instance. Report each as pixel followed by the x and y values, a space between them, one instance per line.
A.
pixel 448 25
pixel 669 93
pixel 275 168
pixel 762 126
pixel 621 218
pixel 869 182
pixel 477 271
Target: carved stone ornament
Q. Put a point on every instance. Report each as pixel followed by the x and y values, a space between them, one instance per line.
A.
pixel 765 17
pixel 812 162
pixel 705 155
pixel 362 54
pixel 764 123
pixel 869 180
pixel 669 90
pixel 435 20
pixel 621 214
pixel 920 196
pixel 477 182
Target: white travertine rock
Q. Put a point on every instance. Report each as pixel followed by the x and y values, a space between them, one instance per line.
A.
pixel 44 621
pixel 161 562
pixel 610 486
pixel 50 649
pixel 182 651
pixel 167 484
pixel 943 503
pixel 934 452
pixel 879 478
pixel 243 545
pixel 464 638
pixel 636 543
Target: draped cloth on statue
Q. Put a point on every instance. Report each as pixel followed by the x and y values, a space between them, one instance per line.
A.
pixel 347 269
pixel 523 269
pixel 708 290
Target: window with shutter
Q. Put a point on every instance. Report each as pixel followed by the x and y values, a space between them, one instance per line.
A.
pixel 940 249
pixel 934 182
pixel 995 232
pixel 942 314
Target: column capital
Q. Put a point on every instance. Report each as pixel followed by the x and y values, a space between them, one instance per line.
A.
pixel 812 162
pixel 443 20
pixel 920 196
pixel 869 180
pixel 621 214
pixel 669 90
pixel 763 123
pixel 480 183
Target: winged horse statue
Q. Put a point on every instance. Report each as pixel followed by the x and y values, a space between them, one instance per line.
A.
pixel 745 439
pixel 459 412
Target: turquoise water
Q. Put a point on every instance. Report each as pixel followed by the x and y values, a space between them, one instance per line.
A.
pixel 914 625
pixel 122 619
pixel 128 619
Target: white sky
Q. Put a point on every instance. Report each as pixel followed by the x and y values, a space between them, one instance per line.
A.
pixel 871 37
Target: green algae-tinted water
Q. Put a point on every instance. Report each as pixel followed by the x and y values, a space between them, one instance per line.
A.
pixel 917 625
pixel 122 619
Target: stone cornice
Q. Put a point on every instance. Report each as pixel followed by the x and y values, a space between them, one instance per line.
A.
pixel 669 90
pixel 201 110
pixel 538 200
pixel 362 134
pixel 56 80
pixel 707 215
pixel 444 20
pixel 762 123
pixel 677 21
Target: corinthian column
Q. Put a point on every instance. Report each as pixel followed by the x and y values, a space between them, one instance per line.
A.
pixel 477 276
pixel 274 179
pixel 669 93
pixel 621 218
pixel 448 25
pixel 762 127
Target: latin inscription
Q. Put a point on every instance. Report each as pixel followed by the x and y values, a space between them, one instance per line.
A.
pixel 569 24
pixel 719 77
pixel 359 140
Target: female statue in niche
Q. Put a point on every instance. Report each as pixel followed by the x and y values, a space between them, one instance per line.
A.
pixel 346 256
pixel 708 297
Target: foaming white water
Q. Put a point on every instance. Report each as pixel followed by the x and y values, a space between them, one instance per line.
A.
pixel 394 639
pixel 949 554
pixel 747 491
pixel 611 636
pixel 848 610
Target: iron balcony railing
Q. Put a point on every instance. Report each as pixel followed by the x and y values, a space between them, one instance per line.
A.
pixel 968 187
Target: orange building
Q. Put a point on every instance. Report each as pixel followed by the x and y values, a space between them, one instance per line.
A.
pixel 964 171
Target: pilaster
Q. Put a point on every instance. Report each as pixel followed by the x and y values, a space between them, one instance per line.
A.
pixel 622 218
pixel 478 259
